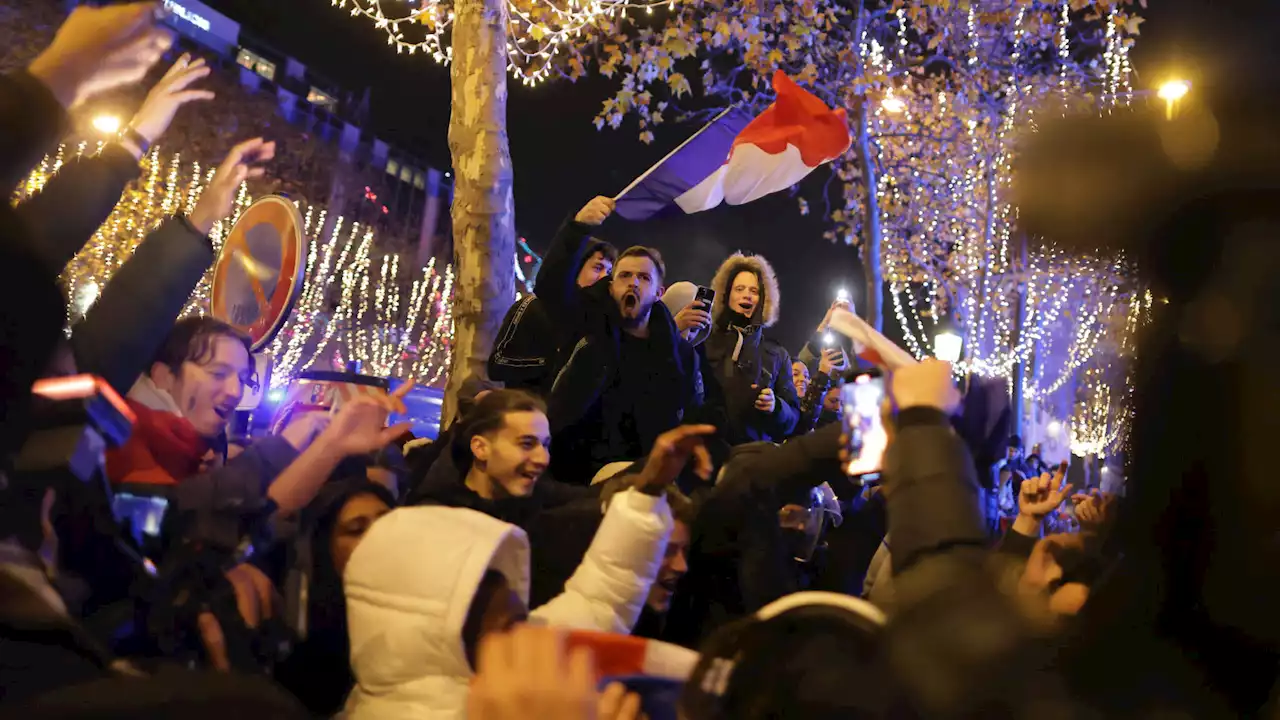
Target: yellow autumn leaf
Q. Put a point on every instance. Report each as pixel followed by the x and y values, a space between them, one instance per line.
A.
pixel 679 84
pixel 537 32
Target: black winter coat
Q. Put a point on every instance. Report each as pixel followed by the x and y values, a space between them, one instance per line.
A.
pixel 534 331
pixel 761 363
pixel 664 394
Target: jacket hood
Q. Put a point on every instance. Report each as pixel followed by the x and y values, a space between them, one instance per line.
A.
pixel 767 312
pixel 409 586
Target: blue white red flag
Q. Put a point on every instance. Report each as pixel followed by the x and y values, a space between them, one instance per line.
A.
pixel 737 159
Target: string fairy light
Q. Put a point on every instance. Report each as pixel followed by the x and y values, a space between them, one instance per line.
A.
pixel 537 30
pixel 369 323
pixel 950 246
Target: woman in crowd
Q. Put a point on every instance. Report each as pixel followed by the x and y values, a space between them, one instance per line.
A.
pixel 318 670
pixel 754 373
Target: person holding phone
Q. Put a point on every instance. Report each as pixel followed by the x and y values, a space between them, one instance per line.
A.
pixel 824 340
pixel 754 372
pixel 813 389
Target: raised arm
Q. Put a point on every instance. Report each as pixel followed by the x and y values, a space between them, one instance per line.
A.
pixel 81 196
pixel 609 588
pixel 123 330
pixel 557 282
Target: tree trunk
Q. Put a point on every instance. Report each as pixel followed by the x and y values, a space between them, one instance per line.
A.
pixel 873 275
pixel 1019 311
pixel 483 208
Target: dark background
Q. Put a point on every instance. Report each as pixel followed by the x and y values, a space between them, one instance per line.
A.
pixel 561 160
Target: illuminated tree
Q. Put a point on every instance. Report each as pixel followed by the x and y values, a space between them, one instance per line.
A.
pixel 937 92
pixel 933 89
pixel 356 304
pixel 482 39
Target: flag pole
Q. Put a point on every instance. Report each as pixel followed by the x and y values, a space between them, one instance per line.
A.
pixel 658 164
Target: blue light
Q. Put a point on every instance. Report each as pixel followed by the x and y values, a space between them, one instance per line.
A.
pixel 275 395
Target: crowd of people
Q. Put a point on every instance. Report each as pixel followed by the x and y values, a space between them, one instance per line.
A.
pixel 644 510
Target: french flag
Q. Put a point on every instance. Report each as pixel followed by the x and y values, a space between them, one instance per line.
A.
pixel 737 159
pixel 654 670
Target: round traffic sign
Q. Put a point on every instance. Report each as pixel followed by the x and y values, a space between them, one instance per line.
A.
pixel 259 272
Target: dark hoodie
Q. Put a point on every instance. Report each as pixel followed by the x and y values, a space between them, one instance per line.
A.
pixel 318 671
pixel 745 362
pixel 533 333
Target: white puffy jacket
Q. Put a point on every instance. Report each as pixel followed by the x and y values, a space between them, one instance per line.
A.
pixel 410 583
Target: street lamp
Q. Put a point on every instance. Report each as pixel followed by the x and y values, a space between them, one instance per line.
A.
pixel 947 346
pixel 106 124
pixel 1172 91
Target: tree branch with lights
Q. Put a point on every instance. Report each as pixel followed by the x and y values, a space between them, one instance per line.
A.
pixel 937 93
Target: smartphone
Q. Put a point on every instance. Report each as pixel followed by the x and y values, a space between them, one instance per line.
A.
pixel 860 401
pixel 706 296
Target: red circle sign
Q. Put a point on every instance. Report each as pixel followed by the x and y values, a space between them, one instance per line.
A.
pixel 259 272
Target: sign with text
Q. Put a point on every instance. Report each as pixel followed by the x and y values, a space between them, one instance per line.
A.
pixel 203 24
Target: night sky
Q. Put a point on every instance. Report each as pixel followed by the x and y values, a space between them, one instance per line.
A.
pixel 561 160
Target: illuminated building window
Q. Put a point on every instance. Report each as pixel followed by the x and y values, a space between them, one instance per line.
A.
pixel 393 167
pixel 321 98
pixel 257 63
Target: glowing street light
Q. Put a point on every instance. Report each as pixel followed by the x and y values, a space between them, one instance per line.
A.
pixel 1172 92
pixel 106 124
pixel 947 346
pixel 893 104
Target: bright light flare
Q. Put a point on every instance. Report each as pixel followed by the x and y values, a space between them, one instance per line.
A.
pixel 947 346
pixel 106 124
pixel 1174 90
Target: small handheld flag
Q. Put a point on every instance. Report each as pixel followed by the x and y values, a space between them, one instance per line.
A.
pixel 868 343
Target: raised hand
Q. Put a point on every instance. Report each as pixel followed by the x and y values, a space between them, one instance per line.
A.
pixel 220 195
pixel 1093 508
pixel 527 673
pixel 359 427
pixel 305 427
pixel 671 452
pixel 826 319
pixel 171 93
pixel 692 317
pixel 596 211
pixel 833 361
pixel 1040 496
pixel 100 48
pixel 925 384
